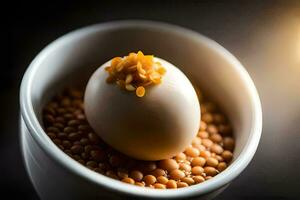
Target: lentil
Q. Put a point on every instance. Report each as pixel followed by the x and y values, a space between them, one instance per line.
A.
pixel 198 179
pixel 185 167
pixel 222 166
pixel 128 180
pixel 168 164
pixel 227 155
pixel 197 170
pixel 188 180
pixel 149 179
pixel 210 171
pixel 162 179
pixel 177 174
pixel 171 184
pixel 180 157
pixel 192 152
pixel 228 143
pixel 212 162
pixel 134 72
pixel 159 186
pixel 203 134
pixel 182 184
pixel 158 172
pixel 216 149
pixel 141 184
pixel 199 161
pixel 209 153
pixel 136 175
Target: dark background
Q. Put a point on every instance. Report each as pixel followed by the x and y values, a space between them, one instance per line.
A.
pixel 263 35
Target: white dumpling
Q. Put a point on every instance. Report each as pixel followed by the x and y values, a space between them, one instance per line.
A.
pixel 157 126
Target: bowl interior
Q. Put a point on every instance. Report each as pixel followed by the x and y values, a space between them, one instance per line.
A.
pixel 74 60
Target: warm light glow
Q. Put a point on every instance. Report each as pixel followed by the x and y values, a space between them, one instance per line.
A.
pixel 298 45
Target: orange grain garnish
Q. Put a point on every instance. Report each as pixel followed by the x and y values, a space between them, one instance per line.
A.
pixel 135 72
pixel 140 91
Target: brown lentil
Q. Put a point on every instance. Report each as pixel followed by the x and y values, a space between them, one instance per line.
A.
pixel 227 155
pixel 198 179
pixel 158 172
pixel 77 149
pixel 196 141
pixel 57 141
pixel 171 184
pixel 197 170
pixel 217 138
pixel 62 135
pixel 149 179
pixel 141 184
pixel 182 184
pixel 91 164
pixel 210 106
pixel 67 144
pixel 207 118
pixel 225 129
pixel 136 175
pixel 69 129
pixel 181 156
pixel 58 125
pixel 210 171
pixel 52 129
pixel 205 154
pixel 185 167
pixel 159 186
pixel 128 180
pixel 115 161
pixel 84 155
pixel 111 174
pixel 209 153
pixel 199 161
pixel 219 158
pixel 219 118
pixel 203 126
pixel 168 164
pixel 203 134
pixel 148 167
pixel 97 155
pixel 192 152
pixel 93 138
pixel 74 136
pixel 207 142
pixel 177 174
pixel 51 135
pixel 188 180
pixel 216 149
pixel 222 166
pixel 212 162
pixel 200 147
pixel 228 143
pixel 122 173
pixel 162 179
pixel 212 129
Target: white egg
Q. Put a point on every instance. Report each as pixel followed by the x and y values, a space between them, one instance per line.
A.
pixel 157 126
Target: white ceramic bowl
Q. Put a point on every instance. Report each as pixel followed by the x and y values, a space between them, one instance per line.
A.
pixel 71 59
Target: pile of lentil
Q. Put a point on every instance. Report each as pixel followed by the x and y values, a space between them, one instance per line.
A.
pixel 209 154
pixel 135 72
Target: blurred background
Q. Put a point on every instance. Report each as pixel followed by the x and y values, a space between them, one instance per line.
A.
pixel 264 35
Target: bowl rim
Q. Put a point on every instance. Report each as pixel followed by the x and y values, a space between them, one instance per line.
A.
pixel 40 137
